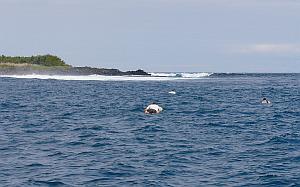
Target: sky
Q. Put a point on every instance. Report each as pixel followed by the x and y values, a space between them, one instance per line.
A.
pixel 157 35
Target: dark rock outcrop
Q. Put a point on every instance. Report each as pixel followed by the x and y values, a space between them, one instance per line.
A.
pixel 53 65
pixel 66 70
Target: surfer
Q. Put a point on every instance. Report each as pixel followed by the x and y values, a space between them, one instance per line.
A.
pixel 153 108
pixel 265 101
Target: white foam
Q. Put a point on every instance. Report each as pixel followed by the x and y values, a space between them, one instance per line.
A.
pixel 153 77
pixel 163 74
pixel 195 75
pixel 183 75
pixel 91 77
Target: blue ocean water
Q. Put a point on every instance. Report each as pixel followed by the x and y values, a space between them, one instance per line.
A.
pixel 213 132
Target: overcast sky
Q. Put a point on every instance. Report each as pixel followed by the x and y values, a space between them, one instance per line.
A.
pixel 157 35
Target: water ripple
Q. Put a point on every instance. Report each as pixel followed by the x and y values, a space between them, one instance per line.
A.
pixel 213 132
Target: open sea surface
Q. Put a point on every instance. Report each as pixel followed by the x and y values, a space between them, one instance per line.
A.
pixel 91 131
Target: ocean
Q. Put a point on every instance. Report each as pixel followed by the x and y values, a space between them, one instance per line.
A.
pixel 92 130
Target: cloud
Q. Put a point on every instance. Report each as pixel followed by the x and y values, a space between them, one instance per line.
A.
pixel 268 49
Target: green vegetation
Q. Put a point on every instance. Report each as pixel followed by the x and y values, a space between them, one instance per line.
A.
pixel 41 60
pixel 52 65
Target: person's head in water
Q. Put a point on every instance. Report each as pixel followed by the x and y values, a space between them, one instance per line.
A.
pixel 152 111
pixel 265 101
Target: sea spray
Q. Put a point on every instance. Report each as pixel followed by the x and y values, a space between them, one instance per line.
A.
pixel 153 77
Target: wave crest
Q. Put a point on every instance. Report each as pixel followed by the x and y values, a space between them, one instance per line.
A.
pixel 90 77
pixel 153 77
pixel 183 75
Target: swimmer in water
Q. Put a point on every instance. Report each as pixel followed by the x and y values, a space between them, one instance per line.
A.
pixel 153 109
pixel 265 101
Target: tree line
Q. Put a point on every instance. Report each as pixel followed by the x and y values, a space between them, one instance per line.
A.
pixel 43 60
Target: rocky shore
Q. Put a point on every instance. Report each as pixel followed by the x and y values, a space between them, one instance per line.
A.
pixel 53 65
pixel 66 70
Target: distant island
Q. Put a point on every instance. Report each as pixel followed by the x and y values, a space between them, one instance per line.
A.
pixel 53 65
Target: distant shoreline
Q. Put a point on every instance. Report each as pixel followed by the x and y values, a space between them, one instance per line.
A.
pixel 53 65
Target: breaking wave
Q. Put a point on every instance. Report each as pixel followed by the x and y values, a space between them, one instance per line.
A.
pixel 153 77
pixel 182 75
